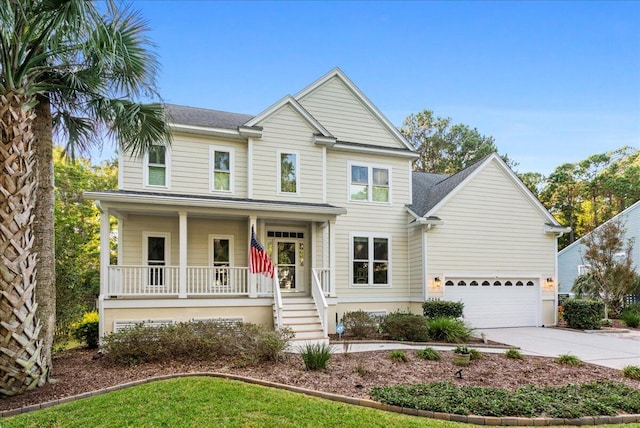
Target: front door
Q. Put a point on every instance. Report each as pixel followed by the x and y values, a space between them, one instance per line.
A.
pixel 288 256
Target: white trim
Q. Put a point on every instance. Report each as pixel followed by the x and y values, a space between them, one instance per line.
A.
pixel 237 318
pixel 373 150
pixel 370 167
pixel 167 170
pixel 231 150
pixel 371 236
pixel 250 168
pixel 369 299
pixel 295 105
pixel 185 303
pixel 324 175
pixel 336 72
pixel 204 130
pixel 145 246
pixel 279 154
pixel 211 238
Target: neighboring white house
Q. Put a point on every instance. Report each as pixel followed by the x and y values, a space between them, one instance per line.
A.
pixel 325 180
pixel 570 261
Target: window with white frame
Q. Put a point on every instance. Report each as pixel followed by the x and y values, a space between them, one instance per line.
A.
pixel 157 166
pixel 221 161
pixel 370 183
pixel 221 256
pixel 370 260
pixel 288 172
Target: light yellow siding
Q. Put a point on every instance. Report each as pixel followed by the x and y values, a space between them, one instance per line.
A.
pixel 491 227
pixel 133 229
pixel 189 167
pixel 370 218
pixel 286 130
pixel 415 258
pixel 345 117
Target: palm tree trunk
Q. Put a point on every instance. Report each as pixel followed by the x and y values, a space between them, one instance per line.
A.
pixel 44 243
pixel 21 364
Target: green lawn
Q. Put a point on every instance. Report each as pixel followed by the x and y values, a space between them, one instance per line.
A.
pixel 211 402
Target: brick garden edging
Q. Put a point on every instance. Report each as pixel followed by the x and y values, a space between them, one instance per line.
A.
pixel 472 419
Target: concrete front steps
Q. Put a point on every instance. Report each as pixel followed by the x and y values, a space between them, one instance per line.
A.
pixel 300 315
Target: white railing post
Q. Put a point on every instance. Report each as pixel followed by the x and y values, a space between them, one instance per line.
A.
pixel 320 301
pixel 332 258
pixel 182 274
pixel 277 297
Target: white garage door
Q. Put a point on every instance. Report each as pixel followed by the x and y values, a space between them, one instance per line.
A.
pixel 496 302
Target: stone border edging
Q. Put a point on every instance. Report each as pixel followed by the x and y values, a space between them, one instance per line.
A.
pixel 472 419
pixel 401 342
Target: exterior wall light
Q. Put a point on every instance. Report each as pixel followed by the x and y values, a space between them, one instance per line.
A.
pixel 550 282
pixel 436 281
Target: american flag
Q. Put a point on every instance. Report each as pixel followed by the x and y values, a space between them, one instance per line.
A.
pixel 260 261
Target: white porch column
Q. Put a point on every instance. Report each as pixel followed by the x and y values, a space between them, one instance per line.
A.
pixel 105 252
pixel 332 258
pixel 253 286
pixel 182 270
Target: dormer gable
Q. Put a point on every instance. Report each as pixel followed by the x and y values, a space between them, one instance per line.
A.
pixel 336 102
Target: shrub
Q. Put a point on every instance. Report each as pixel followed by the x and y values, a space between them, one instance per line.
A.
pixel 583 314
pixel 631 372
pixel 361 368
pixel 86 330
pixel 448 330
pixel 442 308
pixel 398 356
pixel 630 318
pixel 475 354
pixel 315 355
pixel 569 360
pixel 429 354
pixel 514 354
pixel 405 326
pixel 359 324
pixel 204 340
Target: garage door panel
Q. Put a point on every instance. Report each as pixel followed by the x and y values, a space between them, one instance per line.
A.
pixel 496 306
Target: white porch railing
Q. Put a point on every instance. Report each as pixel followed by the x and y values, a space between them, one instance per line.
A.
pixel 324 278
pixel 321 303
pixel 277 297
pixel 217 280
pixel 142 280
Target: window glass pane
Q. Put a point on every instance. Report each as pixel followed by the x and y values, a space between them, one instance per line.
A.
pixel 380 177
pixel 380 194
pixel 288 172
pixel 380 273
pixel 157 155
pixel 221 161
pixel 155 250
pixel 380 249
pixel 359 192
pixel 221 252
pixel 360 272
pixel 286 253
pixel 221 181
pixel 360 174
pixel 157 175
pixel 360 248
pixel 287 277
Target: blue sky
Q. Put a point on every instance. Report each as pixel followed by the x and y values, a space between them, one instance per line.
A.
pixel 552 82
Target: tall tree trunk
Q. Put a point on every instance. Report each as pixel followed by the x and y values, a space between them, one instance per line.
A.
pixel 21 363
pixel 44 244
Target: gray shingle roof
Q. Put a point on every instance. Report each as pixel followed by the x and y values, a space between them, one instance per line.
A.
pixel 204 117
pixel 429 189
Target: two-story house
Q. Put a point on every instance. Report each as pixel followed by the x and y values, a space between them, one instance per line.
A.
pixel 325 181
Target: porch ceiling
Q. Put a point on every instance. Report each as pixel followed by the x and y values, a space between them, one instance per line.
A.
pixel 124 202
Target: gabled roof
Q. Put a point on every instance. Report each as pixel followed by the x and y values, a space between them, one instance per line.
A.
pixel 624 212
pixel 194 116
pixel 338 73
pixel 293 103
pixel 431 191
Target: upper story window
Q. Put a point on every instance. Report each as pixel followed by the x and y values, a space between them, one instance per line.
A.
pixel 288 172
pixel 370 260
pixel 370 183
pixel 221 160
pixel 157 166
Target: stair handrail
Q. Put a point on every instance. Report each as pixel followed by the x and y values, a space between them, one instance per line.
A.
pixel 277 296
pixel 320 301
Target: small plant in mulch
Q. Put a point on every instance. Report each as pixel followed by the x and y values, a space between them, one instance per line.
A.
pixel 361 368
pixel 631 372
pixel 405 326
pixel 315 356
pixel 448 330
pixel 631 318
pixel 86 329
pixel 514 354
pixel 398 356
pixel 429 354
pixel 359 324
pixel 475 354
pixel 569 360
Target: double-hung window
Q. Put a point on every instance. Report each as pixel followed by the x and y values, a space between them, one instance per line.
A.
pixel 288 172
pixel 221 161
pixel 157 166
pixel 370 183
pixel 370 260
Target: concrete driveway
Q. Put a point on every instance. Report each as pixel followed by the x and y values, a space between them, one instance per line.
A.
pixel 615 350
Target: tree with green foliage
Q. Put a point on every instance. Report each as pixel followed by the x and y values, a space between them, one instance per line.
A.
pixel 611 274
pixel 69 67
pixel 77 235
pixel 444 147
